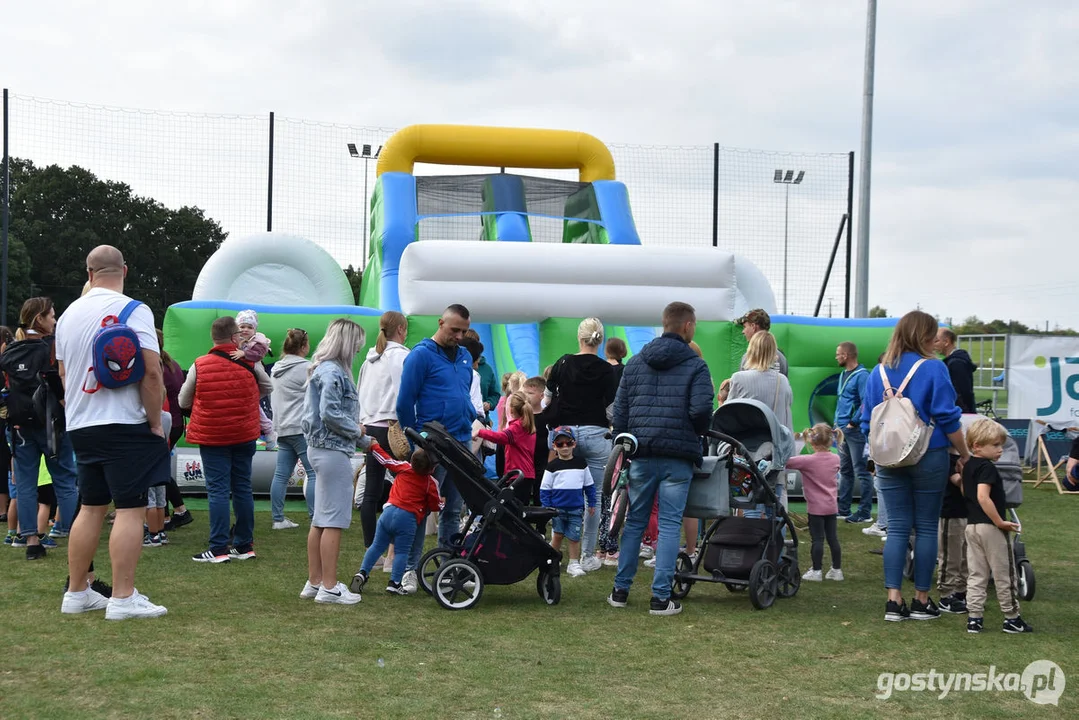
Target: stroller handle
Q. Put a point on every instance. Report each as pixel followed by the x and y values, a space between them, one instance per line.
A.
pixel 415 437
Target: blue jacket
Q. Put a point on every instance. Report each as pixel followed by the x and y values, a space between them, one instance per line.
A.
pixel 848 407
pixel 434 387
pixel 665 399
pixel 930 391
pixel 331 410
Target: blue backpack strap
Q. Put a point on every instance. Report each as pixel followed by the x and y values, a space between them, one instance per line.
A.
pixel 126 312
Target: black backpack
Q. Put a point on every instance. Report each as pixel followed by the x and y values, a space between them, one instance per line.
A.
pixel 25 363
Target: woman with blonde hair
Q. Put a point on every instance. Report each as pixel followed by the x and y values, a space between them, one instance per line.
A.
pixel 762 381
pixel 914 493
pixel 380 381
pixel 332 430
pixel 581 387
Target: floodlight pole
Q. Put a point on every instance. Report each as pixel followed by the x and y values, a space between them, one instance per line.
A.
pixel 861 274
pixel 786 240
pixel 363 256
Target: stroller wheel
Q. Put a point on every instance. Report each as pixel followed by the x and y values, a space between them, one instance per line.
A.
pixel 458 584
pixel 429 565
pixel 682 566
pixel 549 587
pixel 1026 580
pixel 763 581
pixel 790 578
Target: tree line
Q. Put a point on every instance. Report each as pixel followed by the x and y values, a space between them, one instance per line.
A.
pixel 973 325
pixel 57 215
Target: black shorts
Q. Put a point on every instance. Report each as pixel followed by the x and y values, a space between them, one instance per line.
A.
pixel 119 463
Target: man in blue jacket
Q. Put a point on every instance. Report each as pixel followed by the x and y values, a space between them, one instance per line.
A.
pixel 848 413
pixel 435 384
pixel 665 401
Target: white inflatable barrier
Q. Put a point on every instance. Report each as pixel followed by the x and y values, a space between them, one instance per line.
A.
pixel 190 478
pixel 621 284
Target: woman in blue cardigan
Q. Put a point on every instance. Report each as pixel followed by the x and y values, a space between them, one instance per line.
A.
pixel 913 494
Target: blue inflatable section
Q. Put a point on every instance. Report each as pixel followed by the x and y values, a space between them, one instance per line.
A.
pixel 398 230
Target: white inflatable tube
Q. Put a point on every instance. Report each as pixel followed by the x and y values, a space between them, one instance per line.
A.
pixel 621 284
pixel 273 269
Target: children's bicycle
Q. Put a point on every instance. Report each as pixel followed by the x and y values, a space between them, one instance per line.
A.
pixel 616 480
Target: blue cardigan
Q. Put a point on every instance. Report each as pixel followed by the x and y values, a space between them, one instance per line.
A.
pixel 930 391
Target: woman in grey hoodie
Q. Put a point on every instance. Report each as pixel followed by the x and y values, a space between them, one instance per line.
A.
pixel 289 378
pixel 380 379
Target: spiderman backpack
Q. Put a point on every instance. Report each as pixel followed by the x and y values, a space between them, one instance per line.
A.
pixel 117 353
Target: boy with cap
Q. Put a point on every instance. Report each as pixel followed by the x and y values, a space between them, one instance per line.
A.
pixel 566 483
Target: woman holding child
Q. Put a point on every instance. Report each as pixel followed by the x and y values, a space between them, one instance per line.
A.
pixel 914 493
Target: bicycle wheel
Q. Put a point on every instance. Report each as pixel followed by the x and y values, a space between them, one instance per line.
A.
pixel 619 507
pixel 616 461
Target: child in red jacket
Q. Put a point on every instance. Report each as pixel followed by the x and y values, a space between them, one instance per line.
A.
pixel 414 494
pixel 519 438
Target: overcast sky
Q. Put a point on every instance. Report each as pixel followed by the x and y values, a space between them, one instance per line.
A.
pixel 975 200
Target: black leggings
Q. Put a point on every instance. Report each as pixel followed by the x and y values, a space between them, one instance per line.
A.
pixel 172 490
pixel 822 527
pixel 374 489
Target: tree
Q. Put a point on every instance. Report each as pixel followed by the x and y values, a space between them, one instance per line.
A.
pixel 355 280
pixel 877 312
pixel 19 285
pixel 61 214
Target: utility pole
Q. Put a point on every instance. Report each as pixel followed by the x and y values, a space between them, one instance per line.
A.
pixel 861 286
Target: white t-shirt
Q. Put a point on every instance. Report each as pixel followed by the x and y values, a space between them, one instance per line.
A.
pixel 74 347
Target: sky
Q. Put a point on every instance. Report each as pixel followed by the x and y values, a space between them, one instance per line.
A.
pixel 975 182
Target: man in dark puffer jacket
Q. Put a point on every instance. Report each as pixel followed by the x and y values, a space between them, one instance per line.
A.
pixel 665 401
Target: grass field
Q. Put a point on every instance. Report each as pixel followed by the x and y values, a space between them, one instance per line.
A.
pixel 987 355
pixel 239 643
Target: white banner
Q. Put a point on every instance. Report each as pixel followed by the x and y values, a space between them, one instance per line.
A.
pixel 1043 378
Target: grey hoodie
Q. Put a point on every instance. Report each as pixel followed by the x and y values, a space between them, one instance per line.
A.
pixel 289 378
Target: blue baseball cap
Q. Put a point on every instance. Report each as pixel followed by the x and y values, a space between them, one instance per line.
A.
pixel 563 431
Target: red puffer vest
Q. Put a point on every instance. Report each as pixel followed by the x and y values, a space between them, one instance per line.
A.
pixel 225 410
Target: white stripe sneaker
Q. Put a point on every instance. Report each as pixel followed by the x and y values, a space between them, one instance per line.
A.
pixel 284 524
pixel 85 601
pixel 309 591
pixel 338 595
pixel 134 606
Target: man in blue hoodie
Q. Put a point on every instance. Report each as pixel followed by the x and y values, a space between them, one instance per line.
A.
pixel 435 385
pixel 848 412
pixel 665 401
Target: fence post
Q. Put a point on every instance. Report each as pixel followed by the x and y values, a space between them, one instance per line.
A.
pixel 269 188
pixel 850 222
pixel 715 196
pixel 5 176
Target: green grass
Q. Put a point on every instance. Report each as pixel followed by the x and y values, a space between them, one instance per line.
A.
pixel 239 643
pixel 982 353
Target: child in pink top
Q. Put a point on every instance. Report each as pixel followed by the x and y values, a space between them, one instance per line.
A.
pixel 820 487
pixel 519 439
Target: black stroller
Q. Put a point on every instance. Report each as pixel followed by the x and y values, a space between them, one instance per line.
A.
pixel 741 552
pixel 503 542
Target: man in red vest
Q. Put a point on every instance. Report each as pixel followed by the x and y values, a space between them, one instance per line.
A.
pixel 223 395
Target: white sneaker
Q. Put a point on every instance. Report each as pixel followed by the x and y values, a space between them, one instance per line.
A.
pixel 650 562
pixel 646 552
pixel 309 591
pixel 812 576
pixel 284 524
pixel 410 582
pixel 591 564
pixel 874 529
pixel 85 601
pixel 610 561
pixel 575 569
pixel 134 606
pixel 339 595
pixel 884 538
pixel 833 574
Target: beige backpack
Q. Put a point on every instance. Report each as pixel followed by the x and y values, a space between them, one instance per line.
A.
pixel 897 435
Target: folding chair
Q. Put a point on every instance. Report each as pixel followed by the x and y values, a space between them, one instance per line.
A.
pixel 1045 460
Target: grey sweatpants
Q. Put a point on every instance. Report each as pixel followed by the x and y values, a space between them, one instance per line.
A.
pixel 989 551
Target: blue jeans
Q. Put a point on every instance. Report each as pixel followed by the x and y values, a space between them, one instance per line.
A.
pixel 228 470
pixel 596 448
pixel 882 506
pixel 449 521
pixel 399 527
pixel 290 448
pixel 670 478
pixel 914 495
pixel 852 466
pixel 30 445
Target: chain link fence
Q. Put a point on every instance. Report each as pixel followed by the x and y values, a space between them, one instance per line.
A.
pixel 742 201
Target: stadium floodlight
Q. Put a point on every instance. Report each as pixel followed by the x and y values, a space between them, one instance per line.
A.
pixel 364 153
pixel 786 178
pixel 353 151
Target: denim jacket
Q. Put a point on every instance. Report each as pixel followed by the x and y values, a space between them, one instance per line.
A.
pixel 331 410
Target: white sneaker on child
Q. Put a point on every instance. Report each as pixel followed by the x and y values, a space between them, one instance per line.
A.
pixel 410 582
pixel 874 529
pixel 574 569
pixel 833 574
pixel 812 576
pixel 646 552
pixel 650 562
pixel 591 564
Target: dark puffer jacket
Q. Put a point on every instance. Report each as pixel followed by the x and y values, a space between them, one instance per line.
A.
pixel 961 369
pixel 665 399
